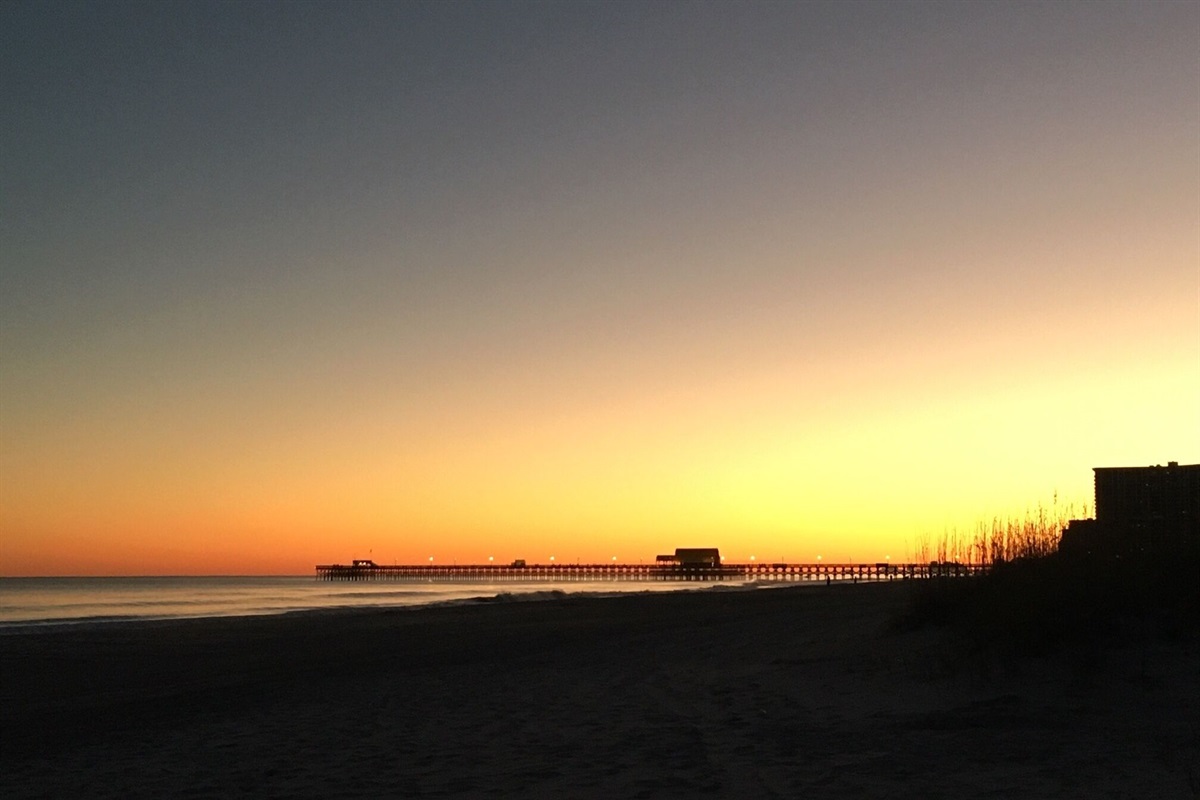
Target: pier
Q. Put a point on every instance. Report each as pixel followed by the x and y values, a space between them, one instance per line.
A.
pixel 519 572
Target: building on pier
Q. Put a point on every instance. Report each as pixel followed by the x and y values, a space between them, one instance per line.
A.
pixel 692 557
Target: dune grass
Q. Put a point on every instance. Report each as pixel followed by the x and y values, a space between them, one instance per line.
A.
pixel 1002 539
pixel 1034 600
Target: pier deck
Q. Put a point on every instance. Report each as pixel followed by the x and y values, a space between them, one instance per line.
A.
pixel 584 573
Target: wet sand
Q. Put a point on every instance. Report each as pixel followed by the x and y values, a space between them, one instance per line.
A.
pixel 790 692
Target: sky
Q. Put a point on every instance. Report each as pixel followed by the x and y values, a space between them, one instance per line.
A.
pixel 295 283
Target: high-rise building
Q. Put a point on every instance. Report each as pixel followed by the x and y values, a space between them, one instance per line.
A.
pixel 1148 495
pixel 1139 508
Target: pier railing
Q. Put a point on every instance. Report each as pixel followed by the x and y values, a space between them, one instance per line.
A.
pixel 580 573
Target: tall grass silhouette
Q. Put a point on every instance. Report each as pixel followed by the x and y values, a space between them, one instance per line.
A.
pixel 1002 539
pixel 1033 599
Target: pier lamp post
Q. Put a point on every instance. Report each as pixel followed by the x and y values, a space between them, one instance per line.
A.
pixel 751 558
pixel 552 558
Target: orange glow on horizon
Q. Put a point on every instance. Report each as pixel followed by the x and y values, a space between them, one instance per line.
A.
pixel 856 487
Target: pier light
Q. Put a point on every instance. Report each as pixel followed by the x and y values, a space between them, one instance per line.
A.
pixel 818 558
pixel 491 558
pixel 614 559
pixel 431 559
pixel 551 558
pixel 751 558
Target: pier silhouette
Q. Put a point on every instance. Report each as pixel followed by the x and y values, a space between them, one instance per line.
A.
pixel 554 572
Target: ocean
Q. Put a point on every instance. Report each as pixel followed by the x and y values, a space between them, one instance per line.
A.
pixel 58 601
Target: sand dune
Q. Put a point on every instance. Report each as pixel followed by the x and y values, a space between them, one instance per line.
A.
pixel 769 693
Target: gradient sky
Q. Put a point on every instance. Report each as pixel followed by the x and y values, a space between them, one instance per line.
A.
pixel 292 283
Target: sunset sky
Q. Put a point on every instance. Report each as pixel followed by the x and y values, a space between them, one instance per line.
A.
pixel 295 283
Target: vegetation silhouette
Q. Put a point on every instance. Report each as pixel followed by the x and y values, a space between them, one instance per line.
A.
pixel 1124 584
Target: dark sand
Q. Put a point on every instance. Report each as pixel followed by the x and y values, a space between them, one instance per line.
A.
pixel 795 692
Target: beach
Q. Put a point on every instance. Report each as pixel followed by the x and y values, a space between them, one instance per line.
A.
pixel 772 692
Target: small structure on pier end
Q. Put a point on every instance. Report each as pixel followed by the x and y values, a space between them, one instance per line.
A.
pixel 692 557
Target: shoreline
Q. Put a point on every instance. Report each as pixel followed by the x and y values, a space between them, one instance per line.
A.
pixel 301 594
pixel 725 693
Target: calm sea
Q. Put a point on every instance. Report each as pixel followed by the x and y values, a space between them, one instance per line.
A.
pixel 45 601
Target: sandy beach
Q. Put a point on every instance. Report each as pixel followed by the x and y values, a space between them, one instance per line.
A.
pixel 790 692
